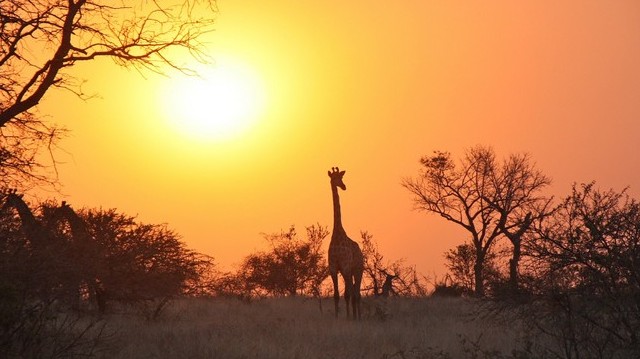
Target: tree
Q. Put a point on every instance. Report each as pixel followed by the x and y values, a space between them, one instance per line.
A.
pixel 292 266
pixel 588 255
pixel 141 263
pixel 36 263
pixel 458 193
pixel 517 199
pixel 485 198
pixel 38 281
pixel 41 41
pixel 373 262
pixel 54 259
pixel 460 262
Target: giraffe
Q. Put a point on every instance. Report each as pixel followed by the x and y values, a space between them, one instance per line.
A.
pixel 43 245
pixel 83 249
pixel 345 256
pixel 32 229
pixel 41 251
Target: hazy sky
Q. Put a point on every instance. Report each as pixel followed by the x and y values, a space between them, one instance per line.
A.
pixel 369 86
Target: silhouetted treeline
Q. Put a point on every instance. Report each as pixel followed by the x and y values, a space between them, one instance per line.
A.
pixel 571 267
pixel 55 261
pixel 583 266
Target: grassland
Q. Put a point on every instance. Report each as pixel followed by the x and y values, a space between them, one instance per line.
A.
pixel 299 328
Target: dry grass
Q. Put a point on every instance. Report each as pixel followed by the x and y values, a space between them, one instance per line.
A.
pixel 296 328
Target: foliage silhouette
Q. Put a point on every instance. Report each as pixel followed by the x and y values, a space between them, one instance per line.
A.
pixel 587 257
pixel 41 41
pixel 53 272
pixel 141 263
pixel 460 262
pixel 292 266
pixel 39 282
pixel 489 200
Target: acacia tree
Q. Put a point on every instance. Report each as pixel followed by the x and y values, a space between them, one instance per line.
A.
pixel 458 192
pixel 41 41
pixel 143 264
pixel 460 262
pixel 292 266
pixel 517 199
pixel 485 198
pixel 588 259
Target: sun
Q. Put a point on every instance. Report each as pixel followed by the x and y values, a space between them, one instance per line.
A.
pixel 221 103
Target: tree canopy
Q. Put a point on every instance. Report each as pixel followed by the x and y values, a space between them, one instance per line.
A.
pixel 291 266
pixel 487 198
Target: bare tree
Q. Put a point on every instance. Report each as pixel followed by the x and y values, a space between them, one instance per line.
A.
pixel 458 193
pixel 41 41
pixel 487 199
pixel 517 198
pixel 373 262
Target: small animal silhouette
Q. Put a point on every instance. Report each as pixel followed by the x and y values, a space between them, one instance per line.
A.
pixel 387 286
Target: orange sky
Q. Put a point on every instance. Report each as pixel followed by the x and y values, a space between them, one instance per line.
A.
pixel 368 86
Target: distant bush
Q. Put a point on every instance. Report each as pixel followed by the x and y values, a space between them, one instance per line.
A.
pixel 142 263
pixel 291 266
pixel 447 287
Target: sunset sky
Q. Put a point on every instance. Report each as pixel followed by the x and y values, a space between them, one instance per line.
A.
pixel 368 86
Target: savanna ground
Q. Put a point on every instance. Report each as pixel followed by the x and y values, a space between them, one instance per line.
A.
pixel 303 328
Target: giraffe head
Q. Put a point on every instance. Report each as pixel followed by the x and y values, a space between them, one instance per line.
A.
pixel 9 196
pixel 336 178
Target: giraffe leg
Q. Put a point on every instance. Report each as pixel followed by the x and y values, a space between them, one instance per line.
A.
pixel 348 292
pixel 336 292
pixel 356 295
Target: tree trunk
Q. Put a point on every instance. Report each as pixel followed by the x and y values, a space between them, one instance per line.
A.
pixel 513 267
pixel 478 269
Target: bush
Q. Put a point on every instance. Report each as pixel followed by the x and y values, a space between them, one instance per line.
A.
pixel 292 266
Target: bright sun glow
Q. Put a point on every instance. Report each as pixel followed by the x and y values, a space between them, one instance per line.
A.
pixel 221 103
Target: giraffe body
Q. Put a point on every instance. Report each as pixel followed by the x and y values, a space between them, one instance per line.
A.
pixel 32 229
pixel 85 253
pixel 40 237
pixel 345 256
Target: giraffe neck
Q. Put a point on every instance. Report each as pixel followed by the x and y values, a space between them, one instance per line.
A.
pixel 29 223
pixel 337 219
pixel 27 218
pixel 77 225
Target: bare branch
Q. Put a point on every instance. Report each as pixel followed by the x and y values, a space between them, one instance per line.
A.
pixel 41 41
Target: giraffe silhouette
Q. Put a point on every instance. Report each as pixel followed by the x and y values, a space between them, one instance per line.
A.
pixel 84 250
pixel 41 250
pixel 32 229
pixel 43 245
pixel 345 256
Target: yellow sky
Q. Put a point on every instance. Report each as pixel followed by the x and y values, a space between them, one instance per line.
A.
pixel 370 87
